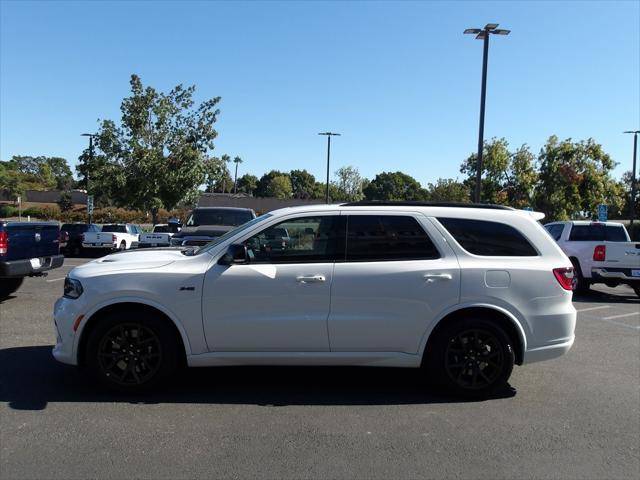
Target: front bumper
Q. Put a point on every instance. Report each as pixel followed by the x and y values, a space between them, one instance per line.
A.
pixel 65 313
pixel 28 267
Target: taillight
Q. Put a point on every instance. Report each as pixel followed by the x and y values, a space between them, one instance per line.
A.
pixel 599 253
pixel 565 277
pixel 4 243
pixel 113 237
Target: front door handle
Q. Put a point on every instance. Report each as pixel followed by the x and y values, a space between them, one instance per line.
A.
pixel 311 278
pixel 432 277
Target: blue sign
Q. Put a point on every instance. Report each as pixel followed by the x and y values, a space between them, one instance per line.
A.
pixel 602 213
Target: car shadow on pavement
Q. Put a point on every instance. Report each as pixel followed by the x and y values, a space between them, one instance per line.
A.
pixel 597 296
pixel 30 378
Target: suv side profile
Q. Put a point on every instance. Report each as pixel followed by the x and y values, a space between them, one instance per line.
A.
pixel 463 292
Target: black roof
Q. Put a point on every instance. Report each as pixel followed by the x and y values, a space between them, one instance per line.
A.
pixel 416 203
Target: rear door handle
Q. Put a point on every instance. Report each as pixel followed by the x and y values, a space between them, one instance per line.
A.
pixel 432 277
pixel 310 278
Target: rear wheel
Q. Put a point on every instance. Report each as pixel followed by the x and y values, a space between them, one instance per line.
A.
pixel 8 286
pixel 637 290
pixel 131 352
pixel 580 284
pixel 472 357
pixel 123 245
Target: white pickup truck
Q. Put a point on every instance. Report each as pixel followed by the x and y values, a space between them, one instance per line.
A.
pixel 601 252
pixel 159 237
pixel 119 236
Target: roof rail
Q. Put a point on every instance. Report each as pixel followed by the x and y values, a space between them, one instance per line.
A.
pixel 417 203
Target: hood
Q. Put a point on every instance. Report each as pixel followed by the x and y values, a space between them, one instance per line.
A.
pixel 204 231
pixel 130 260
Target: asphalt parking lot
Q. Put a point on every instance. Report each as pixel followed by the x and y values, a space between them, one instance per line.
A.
pixel 574 417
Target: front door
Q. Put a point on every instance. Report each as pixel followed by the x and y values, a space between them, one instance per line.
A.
pixel 280 299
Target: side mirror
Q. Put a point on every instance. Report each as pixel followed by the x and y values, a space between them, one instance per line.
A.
pixel 235 254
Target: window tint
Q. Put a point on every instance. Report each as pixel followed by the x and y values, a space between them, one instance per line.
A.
pixel 486 238
pixel 219 217
pixel 161 229
pixel 555 231
pixel 382 237
pixel 300 240
pixel 114 228
pixel 597 232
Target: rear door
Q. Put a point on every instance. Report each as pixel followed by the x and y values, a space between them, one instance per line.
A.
pixel 394 280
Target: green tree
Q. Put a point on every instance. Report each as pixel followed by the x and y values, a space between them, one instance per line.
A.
pixel 280 187
pixel 237 161
pixel 303 184
pixel 65 203
pixel 247 183
pixel 61 172
pixel 448 190
pixel 574 178
pixel 495 164
pixel 158 151
pixel 263 188
pixel 217 174
pixel 394 186
pixel 349 184
pixel 626 185
pixel 10 186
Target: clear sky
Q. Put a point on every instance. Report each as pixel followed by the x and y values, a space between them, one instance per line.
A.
pixel 399 80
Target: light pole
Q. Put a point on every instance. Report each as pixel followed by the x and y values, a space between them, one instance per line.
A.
pixel 632 208
pixel 90 135
pixel 483 34
pixel 328 135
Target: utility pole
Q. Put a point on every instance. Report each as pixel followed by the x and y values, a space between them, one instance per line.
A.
pixel 328 135
pixel 632 207
pixel 483 34
pixel 90 135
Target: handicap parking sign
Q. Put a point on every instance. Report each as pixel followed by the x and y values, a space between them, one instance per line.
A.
pixel 602 213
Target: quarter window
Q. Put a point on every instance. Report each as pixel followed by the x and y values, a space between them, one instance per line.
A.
pixel 555 231
pixel 300 240
pixel 386 237
pixel 486 238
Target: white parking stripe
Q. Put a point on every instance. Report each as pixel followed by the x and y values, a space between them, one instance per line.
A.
pixel 621 315
pixel 55 279
pixel 593 308
pixel 633 327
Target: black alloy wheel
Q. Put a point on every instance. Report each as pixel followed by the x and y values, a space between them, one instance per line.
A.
pixel 471 357
pixel 130 354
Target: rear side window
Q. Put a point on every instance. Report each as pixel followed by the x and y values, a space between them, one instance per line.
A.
pixel 597 233
pixel 114 228
pixel 382 237
pixel 486 238
pixel 555 231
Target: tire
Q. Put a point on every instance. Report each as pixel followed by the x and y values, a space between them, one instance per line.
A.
pixel 471 357
pixel 132 351
pixel 123 245
pixel 8 286
pixel 637 290
pixel 580 284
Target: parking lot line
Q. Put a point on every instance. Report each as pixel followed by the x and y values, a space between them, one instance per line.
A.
pixel 55 279
pixel 622 315
pixel 592 308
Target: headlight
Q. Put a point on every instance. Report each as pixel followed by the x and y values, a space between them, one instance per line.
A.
pixel 72 288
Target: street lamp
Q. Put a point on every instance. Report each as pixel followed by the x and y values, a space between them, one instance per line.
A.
pixel 328 135
pixel 632 208
pixel 483 34
pixel 90 135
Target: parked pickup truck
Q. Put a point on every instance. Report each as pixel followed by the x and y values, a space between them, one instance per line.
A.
pixel 160 236
pixel 27 249
pixel 120 236
pixel 601 252
pixel 208 223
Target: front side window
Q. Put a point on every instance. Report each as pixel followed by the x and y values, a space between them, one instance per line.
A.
pixel 486 238
pixel 387 238
pixel 314 239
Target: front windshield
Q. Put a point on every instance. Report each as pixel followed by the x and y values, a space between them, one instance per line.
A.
pixel 218 217
pixel 231 233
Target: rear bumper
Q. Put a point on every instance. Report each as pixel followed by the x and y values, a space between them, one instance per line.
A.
pixel 153 245
pixel 111 246
pixel 619 275
pixel 547 352
pixel 24 267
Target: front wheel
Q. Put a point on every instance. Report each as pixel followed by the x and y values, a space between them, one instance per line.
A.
pixel 471 357
pixel 131 352
pixel 637 290
pixel 9 285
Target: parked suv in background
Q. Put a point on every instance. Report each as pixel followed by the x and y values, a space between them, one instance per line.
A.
pixel 601 252
pixel 74 233
pixel 465 292
pixel 205 224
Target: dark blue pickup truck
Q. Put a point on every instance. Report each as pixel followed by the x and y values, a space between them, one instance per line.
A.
pixel 27 249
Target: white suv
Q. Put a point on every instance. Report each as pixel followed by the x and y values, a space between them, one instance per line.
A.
pixel 465 292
